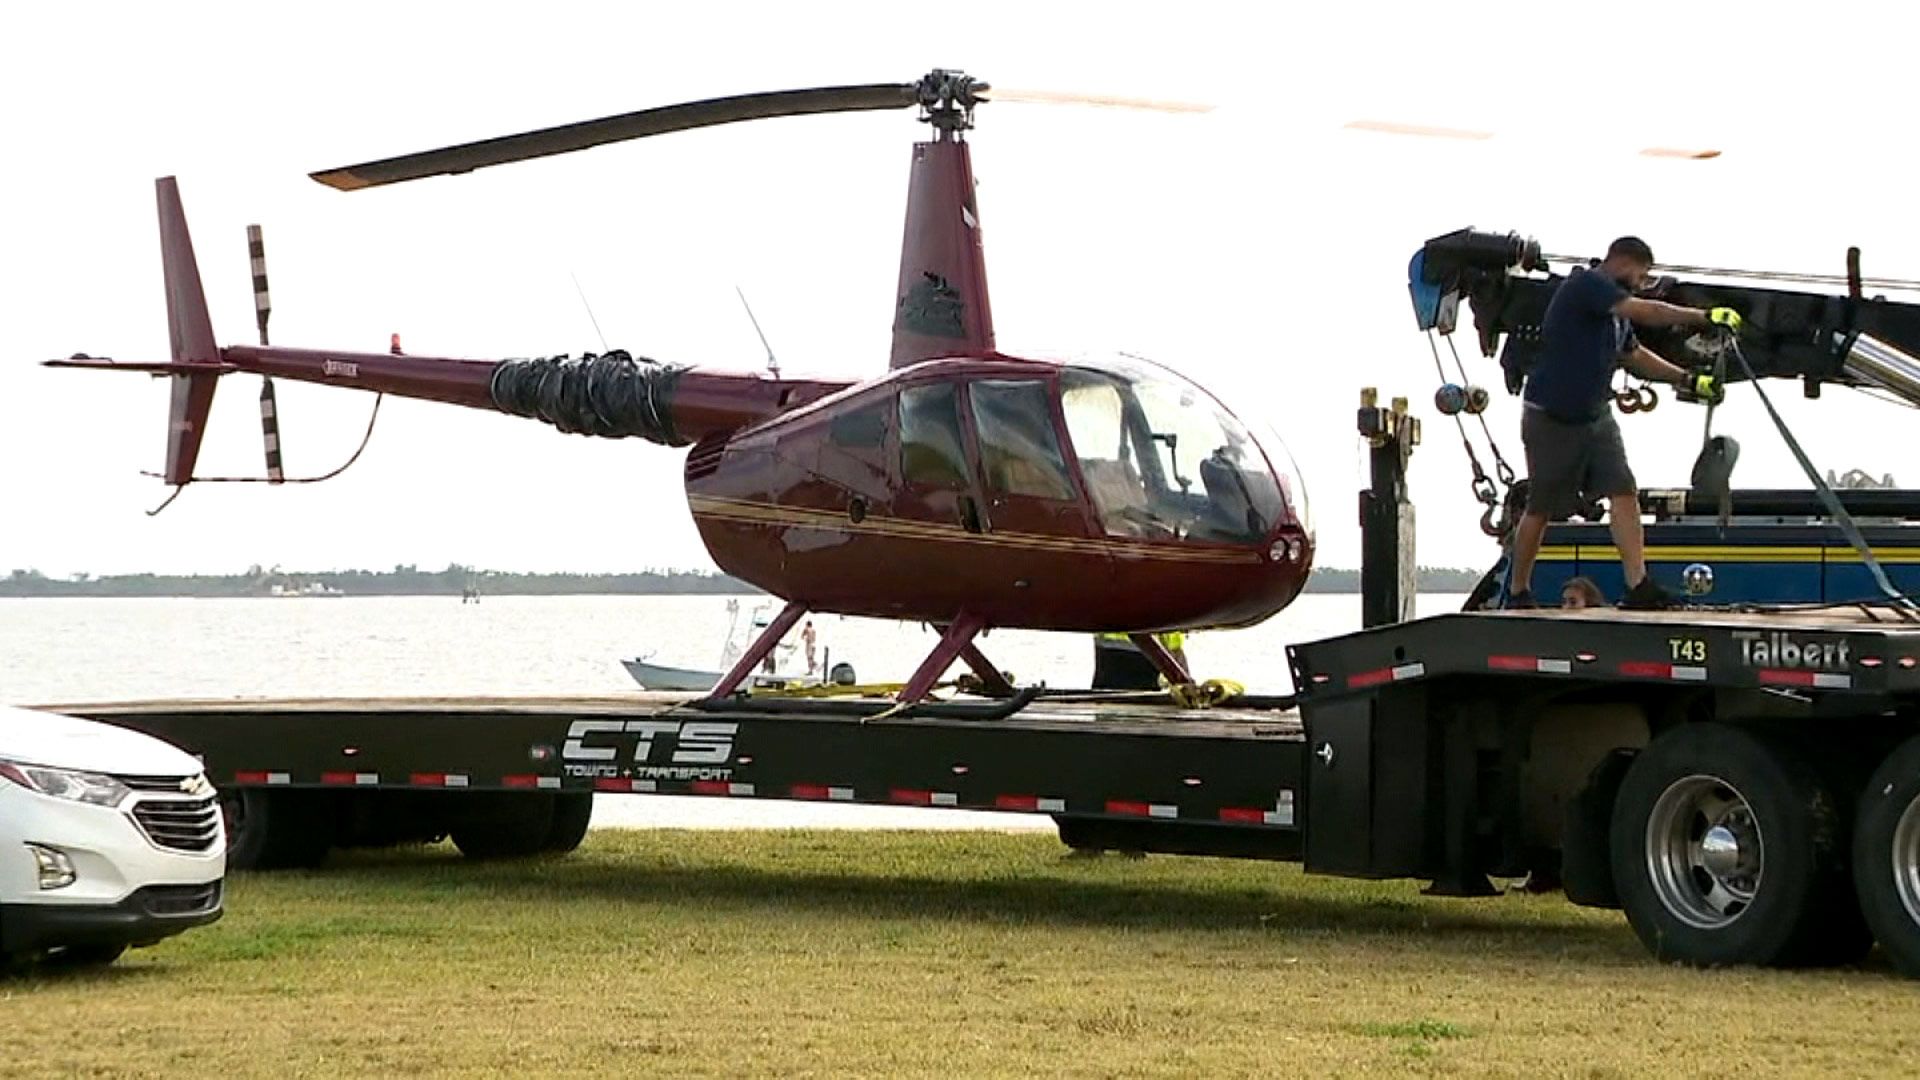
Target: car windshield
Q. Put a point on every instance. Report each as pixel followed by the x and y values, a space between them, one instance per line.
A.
pixel 1163 459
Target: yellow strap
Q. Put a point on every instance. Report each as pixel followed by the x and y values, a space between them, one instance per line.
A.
pixel 1207 694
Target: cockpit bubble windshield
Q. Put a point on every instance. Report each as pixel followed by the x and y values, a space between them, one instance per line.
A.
pixel 1163 459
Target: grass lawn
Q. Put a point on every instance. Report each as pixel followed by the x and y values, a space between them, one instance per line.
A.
pixel 888 953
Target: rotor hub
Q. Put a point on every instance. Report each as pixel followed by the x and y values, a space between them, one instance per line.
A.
pixel 947 99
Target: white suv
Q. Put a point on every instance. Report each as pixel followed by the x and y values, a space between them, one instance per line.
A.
pixel 108 839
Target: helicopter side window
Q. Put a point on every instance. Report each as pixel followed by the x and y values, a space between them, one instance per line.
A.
pixel 1019 451
pixel 862 429
pixel 930 450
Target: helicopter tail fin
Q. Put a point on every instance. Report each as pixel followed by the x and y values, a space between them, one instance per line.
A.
pixel 191 330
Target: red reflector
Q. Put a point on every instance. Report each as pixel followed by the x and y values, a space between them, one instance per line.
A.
pixel 1027 803
pixel 1370 678
pixel 1513 663
pixel 1775 677
pixel 710 787
pixel 1646 669
pixel 607 783
pixel 429 779
pixel 520 781
pixel 1243 816
pixel 336 778
pixel 911 797
pixel 810 791
pixel 1131 809
pixel 250 778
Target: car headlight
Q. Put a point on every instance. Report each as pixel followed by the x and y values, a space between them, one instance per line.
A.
pixel 83 787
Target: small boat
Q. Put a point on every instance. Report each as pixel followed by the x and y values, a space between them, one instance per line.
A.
pixel 661 677
pixel 777 671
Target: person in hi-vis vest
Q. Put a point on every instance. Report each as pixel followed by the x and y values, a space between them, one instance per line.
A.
pixel 1118 665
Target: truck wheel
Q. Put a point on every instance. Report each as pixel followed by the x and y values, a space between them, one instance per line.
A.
pixel 571 815
pixel 1886 856
pixel 276 830
pixel 504 826
pixel 1728 849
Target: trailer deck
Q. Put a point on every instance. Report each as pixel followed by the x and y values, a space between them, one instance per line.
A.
pixel 1117 759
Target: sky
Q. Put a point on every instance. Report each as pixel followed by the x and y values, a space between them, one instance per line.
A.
pixel 1260 248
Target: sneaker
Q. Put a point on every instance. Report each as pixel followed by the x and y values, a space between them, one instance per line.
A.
pixel 1647 596
pixel 1520 601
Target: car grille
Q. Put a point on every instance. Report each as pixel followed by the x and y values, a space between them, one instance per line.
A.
pixel 167 784
pixel 180 824
pixel 180 899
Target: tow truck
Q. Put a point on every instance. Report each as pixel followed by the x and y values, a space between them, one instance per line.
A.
pixel 1743 782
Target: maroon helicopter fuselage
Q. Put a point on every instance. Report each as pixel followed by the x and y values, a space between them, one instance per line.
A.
pixel 824 506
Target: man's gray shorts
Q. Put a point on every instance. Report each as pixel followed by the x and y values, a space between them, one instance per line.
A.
pixel 1571 464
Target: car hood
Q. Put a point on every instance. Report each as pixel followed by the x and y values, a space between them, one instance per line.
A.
pixel 68 742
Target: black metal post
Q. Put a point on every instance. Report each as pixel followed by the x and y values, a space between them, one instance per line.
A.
pixel 1388 575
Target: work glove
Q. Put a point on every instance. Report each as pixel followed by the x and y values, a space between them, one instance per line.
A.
pixel 1703 387
pixel 1726 318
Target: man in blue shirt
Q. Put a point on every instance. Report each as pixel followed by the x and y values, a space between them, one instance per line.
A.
pixel 1574 453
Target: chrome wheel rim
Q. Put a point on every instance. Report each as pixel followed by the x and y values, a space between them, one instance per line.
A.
pixel 1906 859
pixel 1705 854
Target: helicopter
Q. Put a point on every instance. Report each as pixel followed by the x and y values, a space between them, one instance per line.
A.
pixel 964 488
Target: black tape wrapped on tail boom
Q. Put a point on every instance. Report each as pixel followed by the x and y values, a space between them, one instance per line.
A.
pixel 612 394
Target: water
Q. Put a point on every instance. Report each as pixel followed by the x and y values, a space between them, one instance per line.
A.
pixel 104 650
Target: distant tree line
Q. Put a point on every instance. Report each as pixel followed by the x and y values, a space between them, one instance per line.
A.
pixel 1433 579
pixel 404 580
pixel 409 580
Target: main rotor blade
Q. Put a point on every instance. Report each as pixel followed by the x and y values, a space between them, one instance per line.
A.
pixel 588 133
pixel 1395 127
pixel 1054 97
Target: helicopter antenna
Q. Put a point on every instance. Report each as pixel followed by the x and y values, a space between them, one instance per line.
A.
pixel 589 307
pixel 773 362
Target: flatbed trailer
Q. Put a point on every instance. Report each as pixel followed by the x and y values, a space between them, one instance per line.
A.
pixel 1744 785
pixel 1703 769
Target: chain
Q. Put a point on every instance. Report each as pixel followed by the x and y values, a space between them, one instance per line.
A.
pixel 1483 489
pixel 1500 466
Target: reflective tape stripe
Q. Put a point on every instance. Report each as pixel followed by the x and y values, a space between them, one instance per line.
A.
pixel 1544 665
pixel 1142 809
pixel 609 783
pixel 720 787
pixel 357 779
pixel 434 779
pixel 1820 680
pixel 1388 674
pixel 822 791
pixel 1031 804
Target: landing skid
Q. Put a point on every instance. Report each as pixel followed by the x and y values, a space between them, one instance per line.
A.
pixel 956 643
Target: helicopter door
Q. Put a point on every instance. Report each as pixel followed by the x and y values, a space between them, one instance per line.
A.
pixel 1022 469
pixel 934 482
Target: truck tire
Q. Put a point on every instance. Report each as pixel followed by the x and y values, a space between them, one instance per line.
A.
pixel 504 825
pixel 276 830
pixel 1886 856
pixel 1729 849
pixel 572 813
